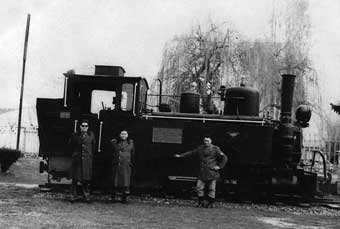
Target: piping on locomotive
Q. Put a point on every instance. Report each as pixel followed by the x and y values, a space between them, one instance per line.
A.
pixel 263 154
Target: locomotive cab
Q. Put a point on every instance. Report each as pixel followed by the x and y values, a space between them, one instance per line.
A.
pixel 87 94
pixel 104 99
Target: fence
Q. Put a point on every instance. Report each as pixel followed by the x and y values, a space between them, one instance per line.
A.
pixel 330 147
pixel 29 140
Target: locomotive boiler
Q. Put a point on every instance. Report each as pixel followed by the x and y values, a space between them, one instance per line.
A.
pixel 263 154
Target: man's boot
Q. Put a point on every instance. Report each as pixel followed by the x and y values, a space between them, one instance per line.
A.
pixel 124 198
pixel 200 202
pixel 86 191
pixel 113 197
pixel 210 202
pixel 73 192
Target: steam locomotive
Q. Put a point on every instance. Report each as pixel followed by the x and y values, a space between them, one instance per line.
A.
pixel 263 154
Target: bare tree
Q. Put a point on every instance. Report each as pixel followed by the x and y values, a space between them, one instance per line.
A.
pixel 193 62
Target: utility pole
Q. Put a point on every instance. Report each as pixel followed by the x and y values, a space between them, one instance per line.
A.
pixel 23 78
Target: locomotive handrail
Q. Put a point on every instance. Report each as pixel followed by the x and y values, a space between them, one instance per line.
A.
pixel 206 116
pixel 100 136
pixel 75 126
pixel 65 91
pixel 134 100
pixel 262 122
pixel 182 178
pixel 213 97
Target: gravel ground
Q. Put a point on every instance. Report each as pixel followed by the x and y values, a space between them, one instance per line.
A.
pixel 24 206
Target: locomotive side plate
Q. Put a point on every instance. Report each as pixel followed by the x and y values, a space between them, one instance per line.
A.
pixel 167 135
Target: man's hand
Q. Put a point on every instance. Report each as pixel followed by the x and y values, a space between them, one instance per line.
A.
pixel 216 167
pixel 177 155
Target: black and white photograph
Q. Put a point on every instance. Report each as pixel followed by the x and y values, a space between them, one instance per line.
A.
pixel 170 114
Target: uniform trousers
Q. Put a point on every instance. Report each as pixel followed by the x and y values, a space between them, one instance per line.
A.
pixel 84 188
pixel 210 184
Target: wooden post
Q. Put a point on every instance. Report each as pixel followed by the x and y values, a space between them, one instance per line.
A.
pixel 23 78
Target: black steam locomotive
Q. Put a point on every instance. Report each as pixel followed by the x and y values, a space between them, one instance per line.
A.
pixel 263 154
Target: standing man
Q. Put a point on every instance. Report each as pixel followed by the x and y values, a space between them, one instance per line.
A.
pixel 83 144
pixel 211 160
pixel 122 156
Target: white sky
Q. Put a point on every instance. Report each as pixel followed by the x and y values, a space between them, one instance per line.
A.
pixel 78 34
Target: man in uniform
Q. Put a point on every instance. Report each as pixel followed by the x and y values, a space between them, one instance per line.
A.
pixel 82 145
pixel 211 160
pixel 122 151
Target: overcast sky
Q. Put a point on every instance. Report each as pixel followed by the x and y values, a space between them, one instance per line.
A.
pixel 78 34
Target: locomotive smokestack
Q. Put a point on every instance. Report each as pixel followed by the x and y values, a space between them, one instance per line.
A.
pixel 287 92
pixel 285 154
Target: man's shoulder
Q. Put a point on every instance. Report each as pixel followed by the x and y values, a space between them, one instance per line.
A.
pixel 218 150
pixel 75 135
pixel 200 147
pixel 90 133
pixel 215 146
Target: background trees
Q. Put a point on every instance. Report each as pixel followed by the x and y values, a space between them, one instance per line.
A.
pixel 193 62
pixel 215 54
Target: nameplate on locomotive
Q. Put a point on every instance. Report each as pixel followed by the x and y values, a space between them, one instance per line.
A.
pixel 167 135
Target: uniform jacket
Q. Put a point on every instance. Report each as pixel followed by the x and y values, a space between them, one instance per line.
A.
pixel 209 156
pixel 82 147
pixel 122 158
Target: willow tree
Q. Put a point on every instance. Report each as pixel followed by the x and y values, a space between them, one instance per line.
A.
pixel 193 62
pixel 204 59
pixel 286 51
pixel 293 55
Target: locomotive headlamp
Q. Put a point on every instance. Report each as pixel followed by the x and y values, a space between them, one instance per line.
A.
pixel 303 114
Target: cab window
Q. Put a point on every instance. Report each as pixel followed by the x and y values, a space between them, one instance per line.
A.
pixel 102 100
pixel 142 96
pixel 127 97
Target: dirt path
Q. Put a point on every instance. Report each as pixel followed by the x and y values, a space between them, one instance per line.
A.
pixel 24 206
pixel 28 207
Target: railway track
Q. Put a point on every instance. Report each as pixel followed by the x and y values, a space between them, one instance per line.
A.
pixel 332 202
